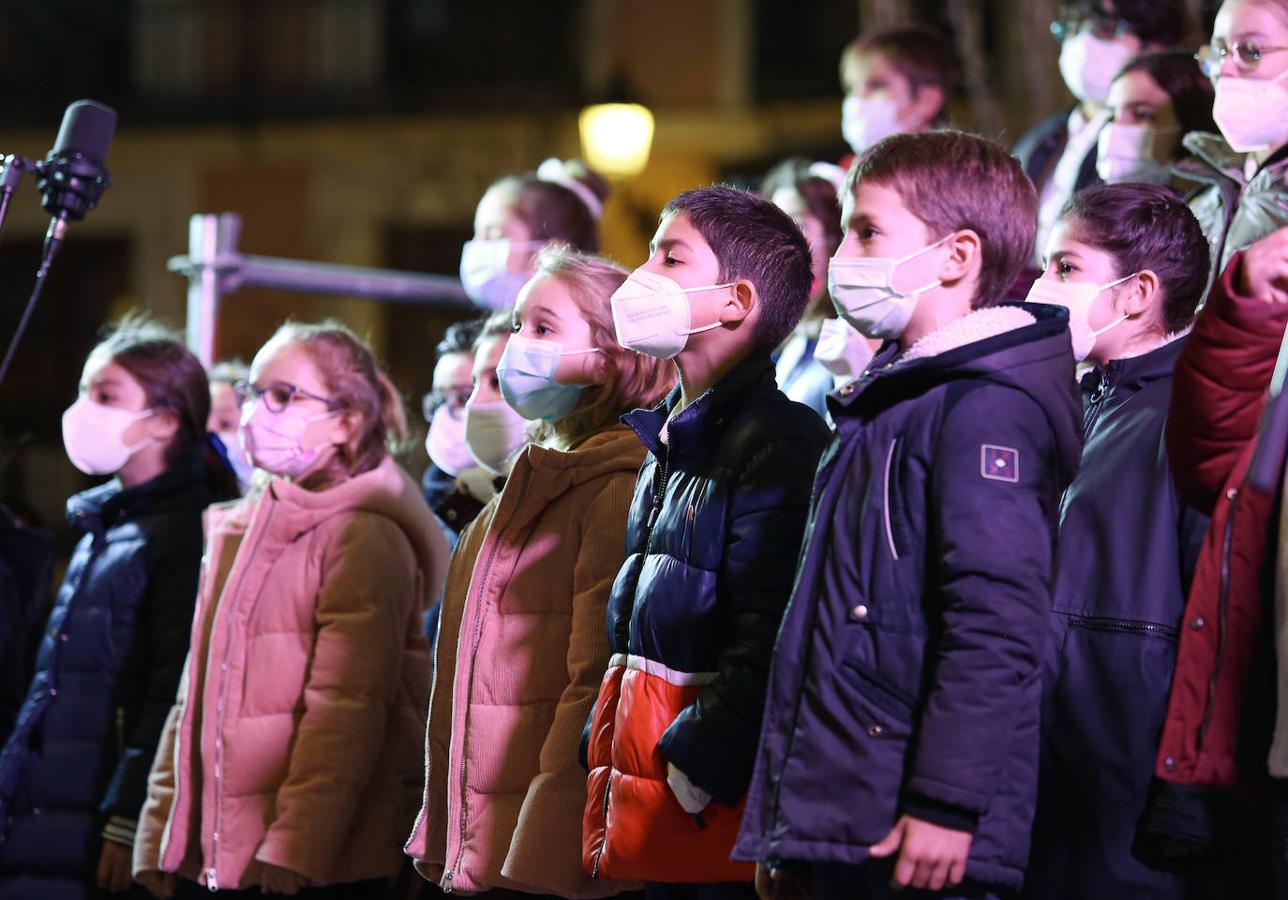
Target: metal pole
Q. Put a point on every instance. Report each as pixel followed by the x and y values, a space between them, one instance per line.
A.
pixel 203 285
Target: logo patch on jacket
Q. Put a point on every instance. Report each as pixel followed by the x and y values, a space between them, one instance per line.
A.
pixel 999 463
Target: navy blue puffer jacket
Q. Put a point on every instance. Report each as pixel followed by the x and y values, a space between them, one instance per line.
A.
pixel 906 676
pixel 105 680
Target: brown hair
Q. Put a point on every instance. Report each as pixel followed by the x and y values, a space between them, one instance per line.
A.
pixel 952 181
pixel 358 387
pixel 818 193
pixel 554 212
pixel 1177 74
pixel 173 382
pixel 630 379
pixel 922 55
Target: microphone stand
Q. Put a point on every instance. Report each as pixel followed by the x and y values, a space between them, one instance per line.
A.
pixel 12 168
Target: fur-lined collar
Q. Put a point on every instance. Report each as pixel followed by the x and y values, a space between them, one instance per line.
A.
pixel 974 326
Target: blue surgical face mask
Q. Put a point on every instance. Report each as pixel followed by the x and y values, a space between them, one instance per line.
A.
pixel 527 376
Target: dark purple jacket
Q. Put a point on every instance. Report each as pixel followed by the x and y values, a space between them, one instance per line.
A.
pixel 906 675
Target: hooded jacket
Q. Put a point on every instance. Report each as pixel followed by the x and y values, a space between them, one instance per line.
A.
pixel 906 676
pixel 521 652
pixel 296 737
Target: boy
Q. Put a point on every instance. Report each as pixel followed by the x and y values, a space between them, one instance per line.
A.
pixel 711 544
pixel 900 741
pixel 895 80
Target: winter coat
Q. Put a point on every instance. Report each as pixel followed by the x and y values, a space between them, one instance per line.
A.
pixel 1216 733
pixel 296 737
pixel 906 676
pixel 711 544
pixel 1127 549
pixel 1233 210
pixel 1039 149
pixel 107 669
pixel 26 568
pixel 800 376
pixel 522 653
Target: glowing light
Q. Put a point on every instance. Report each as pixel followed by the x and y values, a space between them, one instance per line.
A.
pixel 616 138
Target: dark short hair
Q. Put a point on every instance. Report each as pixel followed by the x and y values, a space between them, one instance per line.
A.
pixel 754 239
pixel 1178 74
pixel 818 193
pixel 922 55
pixel 1164 22
pixel 1145 226
pixel 951 181
pixel 460 337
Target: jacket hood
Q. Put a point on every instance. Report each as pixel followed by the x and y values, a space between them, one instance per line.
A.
pixel 1036 359
pixel 602 453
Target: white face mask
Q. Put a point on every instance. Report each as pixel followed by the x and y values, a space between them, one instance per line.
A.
pixel 1125 153
pixel 866 120
pixel 1077 297
pixel 484 275
pixel 651 314
pixel 527 376
pixel 273 441
pixel 494 432
pixel 242 467
pixel 445 442
pixel 94 436
pixel 1252 113
pixel 841 349
pixel 863 293
pixel 1089 65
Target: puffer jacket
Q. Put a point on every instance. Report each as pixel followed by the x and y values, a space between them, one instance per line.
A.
pixel 26 570
pixel 906 676
pixel 711 544
pixel 108 666
pixel 1233 210
pixel 516 672
pixel 1217 731
pixel 1127 550
pixel 296 737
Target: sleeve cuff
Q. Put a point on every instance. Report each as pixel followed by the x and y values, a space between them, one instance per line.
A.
pixel 120 830
pixel 942 814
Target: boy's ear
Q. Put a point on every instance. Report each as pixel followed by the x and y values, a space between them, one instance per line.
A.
pixel 742 300
pixel 965 253
pixel 927 103
pixel 1139 293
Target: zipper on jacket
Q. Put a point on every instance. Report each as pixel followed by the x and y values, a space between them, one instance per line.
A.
pixel 1227 543
pixel 659 494
pixel 1127 626
pixel 885 500
pixel 1092 412
pixel 476 629
pixel 120 731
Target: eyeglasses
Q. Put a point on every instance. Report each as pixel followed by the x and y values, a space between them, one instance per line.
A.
pixel 454 397
pixel 1102 25
pixel 1247 56
pixel 277 395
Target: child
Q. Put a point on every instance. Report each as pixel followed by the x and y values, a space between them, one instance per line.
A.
pixel 288 760
pixel 494 431
pixel 1129 261
pixel 518 215
pixel 225 418
pixel 73 773
pixel 896 80
pixel 901 733
pixel 525 600
pixel 711 542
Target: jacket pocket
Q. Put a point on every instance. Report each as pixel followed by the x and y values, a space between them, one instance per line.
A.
pixel 1111 625
pixel 893 708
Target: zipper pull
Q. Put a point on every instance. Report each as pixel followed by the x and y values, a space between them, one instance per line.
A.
pixel 212 883
pixel 652 516
pixel 447 886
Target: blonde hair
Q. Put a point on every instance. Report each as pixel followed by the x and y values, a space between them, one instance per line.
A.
pixel 630 379
pixel 358 387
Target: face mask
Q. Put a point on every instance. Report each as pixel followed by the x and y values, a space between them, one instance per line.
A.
pixel 841 349
pixel 1089 65
pixel 866 120
pixel 236 457
pixel 494 432
pixel 1077 297
pixel 273 440
pixel 94 436
pixel 1125 153
pixel 445 442
pixel 484 276
pixel 863 293
pixel 527 375
pixel 651 314
pixel 1252 113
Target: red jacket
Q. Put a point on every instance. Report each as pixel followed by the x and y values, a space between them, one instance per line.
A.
pixel 1217 397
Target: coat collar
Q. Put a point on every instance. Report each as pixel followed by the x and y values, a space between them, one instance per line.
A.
pixel 102 507
pixel 1136 371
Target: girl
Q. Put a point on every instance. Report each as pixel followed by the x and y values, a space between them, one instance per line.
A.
pixel 116 639
pixel 494 431
pixel 525 600
pixel 290 756
pixel 560 201
pixel 1129 261
pixel 1155 101
pixel 225 416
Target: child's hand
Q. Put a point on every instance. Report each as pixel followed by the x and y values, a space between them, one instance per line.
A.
pixel 931 857
pixel 276 880
pixel 161 885
pixel 113 874
pixel 1264 270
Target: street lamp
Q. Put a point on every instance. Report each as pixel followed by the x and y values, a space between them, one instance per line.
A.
pixel 616 137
